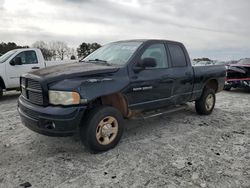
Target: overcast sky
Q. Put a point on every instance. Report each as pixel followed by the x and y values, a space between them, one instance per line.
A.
pixel 219 29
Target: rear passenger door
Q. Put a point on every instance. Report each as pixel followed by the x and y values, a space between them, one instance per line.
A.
pixel 182 73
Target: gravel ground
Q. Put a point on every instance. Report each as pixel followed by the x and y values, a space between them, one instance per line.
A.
pixel 181 149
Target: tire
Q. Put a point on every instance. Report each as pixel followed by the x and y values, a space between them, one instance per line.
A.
pixel 1 92
pixel 227 88
pixel 205 105
pixel 102 129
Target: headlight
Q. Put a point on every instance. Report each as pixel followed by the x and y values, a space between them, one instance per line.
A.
pixel 64 98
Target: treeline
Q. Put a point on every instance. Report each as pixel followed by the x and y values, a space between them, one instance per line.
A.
pixel 202 59
pixel 55 50
pixel 5 47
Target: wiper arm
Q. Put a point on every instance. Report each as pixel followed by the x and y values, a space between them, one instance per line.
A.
pixel 82 60
pixel 98 60
pixel 101 61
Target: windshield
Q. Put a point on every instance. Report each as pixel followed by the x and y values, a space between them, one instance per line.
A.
pixel 114 53
pixel 6 56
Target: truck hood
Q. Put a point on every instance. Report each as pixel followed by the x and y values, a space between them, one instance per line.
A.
pixel 66 71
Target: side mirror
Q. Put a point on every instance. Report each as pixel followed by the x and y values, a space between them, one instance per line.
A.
pixel 145 63
pixel 16 61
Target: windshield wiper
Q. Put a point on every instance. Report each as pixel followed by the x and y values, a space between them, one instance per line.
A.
pixel 98 60
pixel 81 60
pixel 101 61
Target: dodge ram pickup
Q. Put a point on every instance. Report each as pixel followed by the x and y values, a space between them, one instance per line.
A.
pixel 124 79
pixel 16 62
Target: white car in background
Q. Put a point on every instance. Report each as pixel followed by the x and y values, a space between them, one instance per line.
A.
pixel 19 61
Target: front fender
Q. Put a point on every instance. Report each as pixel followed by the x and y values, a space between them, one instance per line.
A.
pixel 94 88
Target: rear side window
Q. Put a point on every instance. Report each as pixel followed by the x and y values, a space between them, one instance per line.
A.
pixel 178 56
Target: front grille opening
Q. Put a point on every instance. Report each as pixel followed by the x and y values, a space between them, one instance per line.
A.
pixel 32 91
pixel 31 84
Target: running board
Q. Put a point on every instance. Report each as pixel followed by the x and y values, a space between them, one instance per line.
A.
pixel 155 113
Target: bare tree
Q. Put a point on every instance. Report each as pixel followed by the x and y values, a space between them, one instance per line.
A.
pixel 55 50
pixel 59 49
pixel 44 47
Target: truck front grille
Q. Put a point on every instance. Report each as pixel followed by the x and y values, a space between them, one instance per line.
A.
pixel 31 84
pixel 32 91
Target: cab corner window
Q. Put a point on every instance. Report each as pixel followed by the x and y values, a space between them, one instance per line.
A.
pixel 158 53
pixel 177 55
pixel 28 57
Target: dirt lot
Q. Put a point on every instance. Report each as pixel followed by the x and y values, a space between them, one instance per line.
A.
pixel 178 150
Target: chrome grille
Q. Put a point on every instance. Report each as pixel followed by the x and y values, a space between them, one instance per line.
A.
pixel 36 98
pixel 34 85
pixel 32 91
pixel 23 91
pixel 23 84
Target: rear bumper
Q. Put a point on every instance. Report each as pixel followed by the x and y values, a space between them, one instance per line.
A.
pixel 50 121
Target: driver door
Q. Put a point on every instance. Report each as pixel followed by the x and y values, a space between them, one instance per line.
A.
pixel 151 87
pixel 28 63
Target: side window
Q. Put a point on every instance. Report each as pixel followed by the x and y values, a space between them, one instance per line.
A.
pixel 158 52
pixel 28 57
pixel 178 56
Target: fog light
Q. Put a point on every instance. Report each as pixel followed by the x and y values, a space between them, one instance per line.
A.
pixel 50 125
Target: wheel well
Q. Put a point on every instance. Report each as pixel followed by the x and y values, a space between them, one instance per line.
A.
pixel 212 84
pixel 2 85
pixel 118 101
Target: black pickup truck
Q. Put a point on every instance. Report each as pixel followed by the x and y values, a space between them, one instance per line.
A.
pixel 120 80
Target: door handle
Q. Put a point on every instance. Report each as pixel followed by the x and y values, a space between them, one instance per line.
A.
pixel 35 68
pixel 165 77
pixel 134 77
pixel 169 81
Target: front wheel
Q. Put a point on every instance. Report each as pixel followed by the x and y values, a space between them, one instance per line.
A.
pixel 1 92
pixel 102 129
pixel 205 104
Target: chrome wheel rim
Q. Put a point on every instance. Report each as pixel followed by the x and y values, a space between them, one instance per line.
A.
pixel 107 130
pixel 209 102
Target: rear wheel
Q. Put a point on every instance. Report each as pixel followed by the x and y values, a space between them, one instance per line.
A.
pixel 205 104
pixel 102 129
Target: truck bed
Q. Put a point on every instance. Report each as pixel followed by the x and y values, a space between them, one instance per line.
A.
pixel 203 73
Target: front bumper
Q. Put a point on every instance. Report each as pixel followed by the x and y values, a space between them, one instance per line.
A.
pixel 50 120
